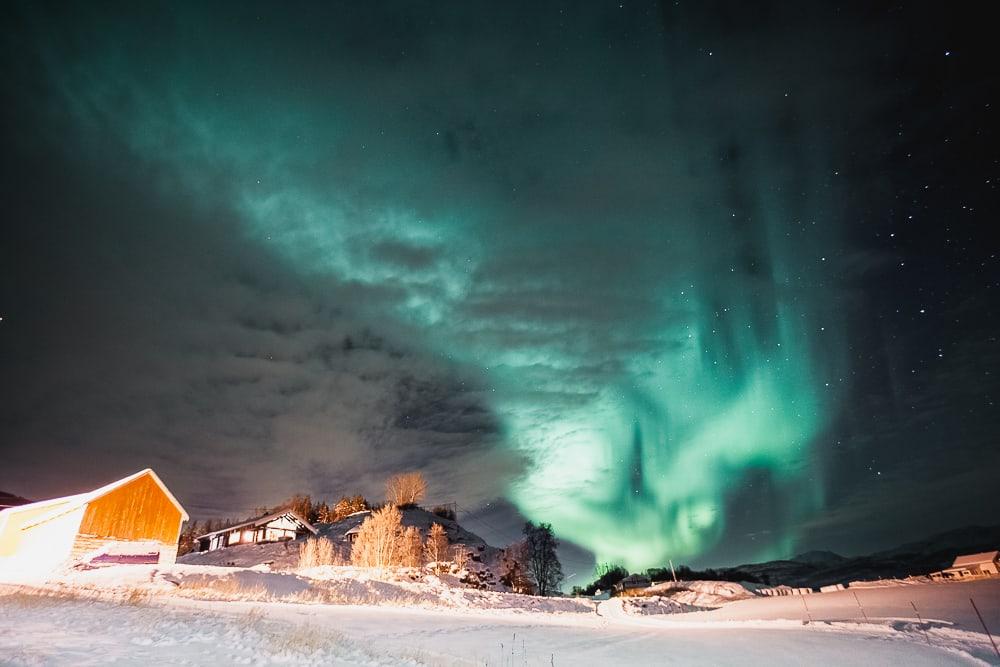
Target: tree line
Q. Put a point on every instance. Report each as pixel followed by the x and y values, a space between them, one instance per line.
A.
pixel 609 574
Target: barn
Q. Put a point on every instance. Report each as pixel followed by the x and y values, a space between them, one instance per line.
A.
pixel 132 520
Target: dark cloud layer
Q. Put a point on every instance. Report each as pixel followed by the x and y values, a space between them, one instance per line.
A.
pixel 144 330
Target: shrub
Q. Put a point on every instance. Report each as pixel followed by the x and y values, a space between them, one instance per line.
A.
pixel 378 541
pixel 411 547
pixel 318 551
pixel 444 512
pixel 460 556
pixel 436 548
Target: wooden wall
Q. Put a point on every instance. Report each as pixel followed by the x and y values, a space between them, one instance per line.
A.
pixel 138 510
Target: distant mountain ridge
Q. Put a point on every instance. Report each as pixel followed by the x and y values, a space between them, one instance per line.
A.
pixel 819 558
pixel 821 568
pixel 12 500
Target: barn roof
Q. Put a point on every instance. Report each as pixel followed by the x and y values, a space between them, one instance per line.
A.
pixel 261 520
pixel 66 504
pixel 975 559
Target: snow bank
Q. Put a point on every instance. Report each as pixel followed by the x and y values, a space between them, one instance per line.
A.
pixel 410 587
pixel 62 630
pixel 888 583
pixel 197 615
pixel 704 594
pixel 643 606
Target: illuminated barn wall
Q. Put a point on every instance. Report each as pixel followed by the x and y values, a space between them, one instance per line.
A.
pixel 127 519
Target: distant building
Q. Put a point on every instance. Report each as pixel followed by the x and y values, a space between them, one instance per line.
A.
pixel 972 565
pixel 133 520
pixel 283 525
pixel 632 583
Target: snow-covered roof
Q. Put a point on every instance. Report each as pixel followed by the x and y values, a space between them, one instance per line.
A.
pixel 42 504
pixel 261 520
pixel 976 559
pixel 66 504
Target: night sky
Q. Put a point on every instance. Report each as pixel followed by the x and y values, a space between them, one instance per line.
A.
pixel 714 282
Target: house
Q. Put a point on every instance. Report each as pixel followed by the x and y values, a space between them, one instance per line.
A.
pixel 133 520
pixel 972 565
pixel 632 584
pixel 282 525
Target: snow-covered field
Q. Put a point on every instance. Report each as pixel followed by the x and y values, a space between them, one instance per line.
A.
pixel 207 615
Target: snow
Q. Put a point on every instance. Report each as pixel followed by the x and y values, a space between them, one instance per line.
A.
pixel 187 614
pixel 700 593
pixel 642 606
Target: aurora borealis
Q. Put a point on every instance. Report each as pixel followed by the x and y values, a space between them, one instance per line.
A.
pixel 623 266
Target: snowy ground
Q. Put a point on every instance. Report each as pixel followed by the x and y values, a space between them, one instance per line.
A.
pixel 144 615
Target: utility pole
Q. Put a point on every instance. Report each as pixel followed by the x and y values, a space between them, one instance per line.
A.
pixel 672 573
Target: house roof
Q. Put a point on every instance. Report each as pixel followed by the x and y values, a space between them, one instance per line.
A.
pixel 261 520
pixel 66 504
pixel 975 559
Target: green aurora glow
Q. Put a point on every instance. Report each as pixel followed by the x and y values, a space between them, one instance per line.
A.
pixel 648 325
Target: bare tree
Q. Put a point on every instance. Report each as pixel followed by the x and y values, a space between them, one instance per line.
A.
pixel 411 548
pixel 378 541
pixel 514 568
pixel 436 547
pixel 543 563
pixel 405 489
